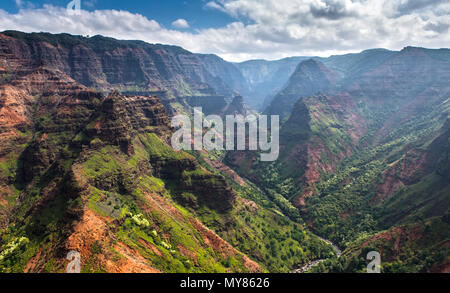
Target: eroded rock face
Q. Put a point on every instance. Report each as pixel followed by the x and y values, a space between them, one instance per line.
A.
pixel 213 191
pixel 108 64
pixel 53 125
pixel 210 189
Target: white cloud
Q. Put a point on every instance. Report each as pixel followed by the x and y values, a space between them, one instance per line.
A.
pixel 267 29
pixel 180 23
pixel 24 4
pixel 214 5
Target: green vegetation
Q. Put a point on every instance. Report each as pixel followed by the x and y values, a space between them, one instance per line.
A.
pixel 363 167
pixel 259 227
pixel 423 254
pixel 156 147
pixel 346 206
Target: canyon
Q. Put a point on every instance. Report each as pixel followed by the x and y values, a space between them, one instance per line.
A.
pixel 86 162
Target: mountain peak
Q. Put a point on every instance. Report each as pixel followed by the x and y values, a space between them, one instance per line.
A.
pixel 311 77
pixel 412 49
pixel 311 62
pixel 314 66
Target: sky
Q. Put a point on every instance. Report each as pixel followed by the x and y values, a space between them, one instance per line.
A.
pixel 239 30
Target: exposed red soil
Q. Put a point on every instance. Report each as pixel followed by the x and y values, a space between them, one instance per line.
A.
pixel 130 262
pixel 14 112
pixel 227 170
pixel 157 202
pixel 4 193
pixel 210 238
pixel 314 167
pixel 442 269
pixel 399 174
pixel 218 244
pixel 397 238
pixel 151 246
pixel 186 252
pixel 248 203
pixel 91 228
pixel 344 215
pixel 35 262
pixel 342 106
pixel 387 237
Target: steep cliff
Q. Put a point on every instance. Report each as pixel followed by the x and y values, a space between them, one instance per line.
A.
pixel 105 64
pixel 88 179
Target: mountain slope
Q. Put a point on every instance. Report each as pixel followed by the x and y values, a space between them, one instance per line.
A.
pixel 350 65
pixel 94 173
pixel 226 71
pixel 367 158
pixel 107 64
pixel 311 77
